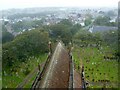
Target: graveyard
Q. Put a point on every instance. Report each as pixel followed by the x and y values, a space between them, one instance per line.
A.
pixel 100 66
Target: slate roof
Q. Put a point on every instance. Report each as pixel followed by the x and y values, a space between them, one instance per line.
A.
pixel 102 28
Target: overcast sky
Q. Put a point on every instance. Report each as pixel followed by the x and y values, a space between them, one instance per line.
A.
pixel 7 4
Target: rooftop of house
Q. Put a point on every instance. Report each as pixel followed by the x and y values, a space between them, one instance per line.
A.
pixel 102 28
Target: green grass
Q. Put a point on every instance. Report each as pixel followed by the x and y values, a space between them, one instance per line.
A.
pixel 0 81
pixel 97 69
pixel 11 81
pixel 28 85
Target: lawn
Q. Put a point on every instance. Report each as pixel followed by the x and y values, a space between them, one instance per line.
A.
pixel 99 71
pixel 0 80
pixel 28 85
pixel 22 70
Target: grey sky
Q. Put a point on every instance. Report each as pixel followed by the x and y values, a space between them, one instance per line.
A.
pixel 6 4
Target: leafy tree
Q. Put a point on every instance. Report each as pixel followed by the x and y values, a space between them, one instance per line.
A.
pixel 110 37
pixel 88 21
pixel 113 24
pixel 18 26
pixel 84 37
pixel 62 32
pixel 66 22
pixel 111 13
pixel 6 36
pixel 88 15
pixel 36 23
pixel 75 28
pixel 102 20
pixel 30 43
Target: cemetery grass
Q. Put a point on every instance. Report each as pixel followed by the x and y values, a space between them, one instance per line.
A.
pixel 15 78
pixel 97 69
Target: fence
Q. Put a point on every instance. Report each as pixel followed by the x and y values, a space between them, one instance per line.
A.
pixel 40 73
pixel 71 77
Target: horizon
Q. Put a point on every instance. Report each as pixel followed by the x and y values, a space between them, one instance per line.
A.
pixel 60 7
pixel 22 4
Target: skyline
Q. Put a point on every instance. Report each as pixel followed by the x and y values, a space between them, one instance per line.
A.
pixel 10 4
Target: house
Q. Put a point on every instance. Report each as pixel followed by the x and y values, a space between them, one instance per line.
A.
pixel 102 28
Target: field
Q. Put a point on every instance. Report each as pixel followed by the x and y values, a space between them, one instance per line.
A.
pixel 22 71
pixel 100 68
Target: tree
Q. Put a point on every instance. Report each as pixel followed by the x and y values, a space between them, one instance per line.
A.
pixel 102 20
pixel 110 37
pixel 75 28
pixel 6 36
pixel 62 32
pixel 111 13
pixel 85 38
pixel 66 22
pixel 88 21
pixel 30 43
